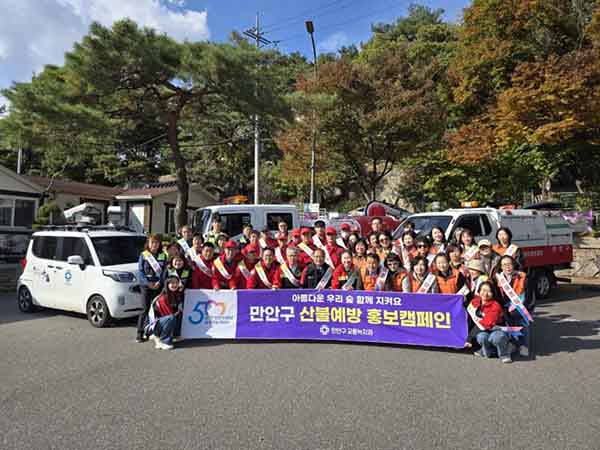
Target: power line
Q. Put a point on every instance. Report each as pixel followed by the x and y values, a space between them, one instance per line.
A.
pixel 301 17
pixel 346 22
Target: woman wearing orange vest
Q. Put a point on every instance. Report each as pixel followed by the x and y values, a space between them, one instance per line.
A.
pixel 449 280
pixel 374 277
pixel 385 245
pixel 397 273
pixel 505 246
pixel 438 240
pixel 518 283
pixel 408 239
pixel 420 280
pixel 454 252
pixel 359 259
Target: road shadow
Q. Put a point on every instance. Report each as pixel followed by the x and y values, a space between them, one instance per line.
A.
pixel 558 333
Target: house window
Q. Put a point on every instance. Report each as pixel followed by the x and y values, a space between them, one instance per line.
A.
pixel 17 212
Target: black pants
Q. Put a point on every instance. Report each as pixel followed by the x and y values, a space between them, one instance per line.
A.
pixel 148 295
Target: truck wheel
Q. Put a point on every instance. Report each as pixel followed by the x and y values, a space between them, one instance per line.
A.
pixel 25 301
pixel 97 312
pixel 543 284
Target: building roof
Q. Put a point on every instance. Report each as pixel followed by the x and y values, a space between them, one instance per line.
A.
pixel 22 181
pixel 85 190
pixel 151 191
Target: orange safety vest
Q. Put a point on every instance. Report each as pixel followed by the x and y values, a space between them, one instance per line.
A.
pixel 448 285
pixel 518 282
pixel 397 279
pixel 369 281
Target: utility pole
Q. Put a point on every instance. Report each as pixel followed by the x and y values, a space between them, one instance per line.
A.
pixel 313 152
pixel 254 33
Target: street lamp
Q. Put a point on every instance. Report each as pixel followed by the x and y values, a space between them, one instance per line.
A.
pixel 311 30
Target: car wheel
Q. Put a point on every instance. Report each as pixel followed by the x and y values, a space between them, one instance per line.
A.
pixel 97 312
pixel 25 301
pixel 543 284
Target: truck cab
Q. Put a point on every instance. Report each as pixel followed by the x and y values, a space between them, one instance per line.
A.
pixel 234 217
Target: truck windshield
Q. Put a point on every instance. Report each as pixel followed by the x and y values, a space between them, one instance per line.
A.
pixel 423 224
pixel 113 250
pixel 201 220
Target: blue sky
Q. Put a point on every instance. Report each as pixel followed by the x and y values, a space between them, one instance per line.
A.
pixel 38 32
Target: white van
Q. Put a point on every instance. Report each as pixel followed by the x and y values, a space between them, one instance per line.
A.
pixel 545 238
pixel 234 217
pixel 90 271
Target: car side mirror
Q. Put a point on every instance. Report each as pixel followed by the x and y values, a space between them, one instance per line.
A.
pixel 76 260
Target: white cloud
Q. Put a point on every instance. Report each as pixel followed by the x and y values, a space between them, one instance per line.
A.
pixel 34 33
pixel 334 42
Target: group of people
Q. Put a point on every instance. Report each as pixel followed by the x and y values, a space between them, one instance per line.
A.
pixel 489 276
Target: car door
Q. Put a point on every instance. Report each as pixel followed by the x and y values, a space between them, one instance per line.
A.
pixel 45 250
pixel 233 223
pixel 71 280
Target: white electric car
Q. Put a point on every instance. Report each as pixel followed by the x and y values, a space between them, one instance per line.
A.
pixel 92 271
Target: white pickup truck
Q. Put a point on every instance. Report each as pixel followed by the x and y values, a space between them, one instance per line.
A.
pixel 546 239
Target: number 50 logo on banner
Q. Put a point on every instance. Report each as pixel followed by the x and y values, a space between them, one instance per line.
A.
pixel 209 314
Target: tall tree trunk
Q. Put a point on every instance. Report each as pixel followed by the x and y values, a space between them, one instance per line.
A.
pixel 180 172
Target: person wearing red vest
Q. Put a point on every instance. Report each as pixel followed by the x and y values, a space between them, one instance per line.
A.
pixel 296 237
pixel 202 267
pixel 344 272
pixel 320 234
pixel 282 243
pixel 489 315
pixel 306 248
pixel 263 274
pixel 449 280
pixel 332 248
pixel 289 275
pixel 167 311
pixel 224 268
pixel 245 265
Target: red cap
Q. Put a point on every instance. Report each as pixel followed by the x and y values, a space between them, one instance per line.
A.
pixel 230 244
pixel 331 230
pixel 296 232
pixel 281 236
pixel 305 230
pixel 251 248
pixel 345 227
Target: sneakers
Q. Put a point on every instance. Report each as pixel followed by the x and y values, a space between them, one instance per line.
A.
pixel 160 345
pixel 139 339
pixel 506 359
pixel 524 351
pixel 480 353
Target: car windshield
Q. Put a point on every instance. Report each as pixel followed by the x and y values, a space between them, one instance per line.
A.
pixel 201 220
pixel 424 224
pixel 112 250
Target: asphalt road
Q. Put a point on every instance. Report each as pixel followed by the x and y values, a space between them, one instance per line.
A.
pixel 65 385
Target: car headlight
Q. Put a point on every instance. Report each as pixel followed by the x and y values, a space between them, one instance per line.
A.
pixel 119 277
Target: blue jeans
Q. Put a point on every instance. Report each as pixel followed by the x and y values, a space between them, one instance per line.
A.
pixel 165 326
pixel 493 342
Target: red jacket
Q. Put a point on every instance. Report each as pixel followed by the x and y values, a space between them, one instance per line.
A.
pixel 163 307
pixel 219 281
pixel 255 282
pixel 335 252
pixel 491 312
pixel 199 279
pixel 303 258
pixel 340 277
pixel 242 280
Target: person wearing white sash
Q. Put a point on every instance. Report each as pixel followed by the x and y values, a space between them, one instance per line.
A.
pixel 215 231
pixel 306 248
pixel 224 268
pixel 476 277
pixel 344 239
pixel 385 246
pixel 282 243
pixel 263 274
pixel 423 246
pixel 359 259
pixel 487 316
pixel 374 277
pixel 150 267
pixel 296 237
pixel 186 241
pixel 317 275
pixel 202 267
pixel 346 276
pixel 420 280
pixel 319 239
pixel 506 247
pixel 449 280
pixel 468 244
pixel 517 283
pixel 454 252
pixel 289 274
pixel 438 240
pixel 333 251
pixel 246 264
pixel 282 228
pixel 265 240
pixel 397 272
pixel 489 258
